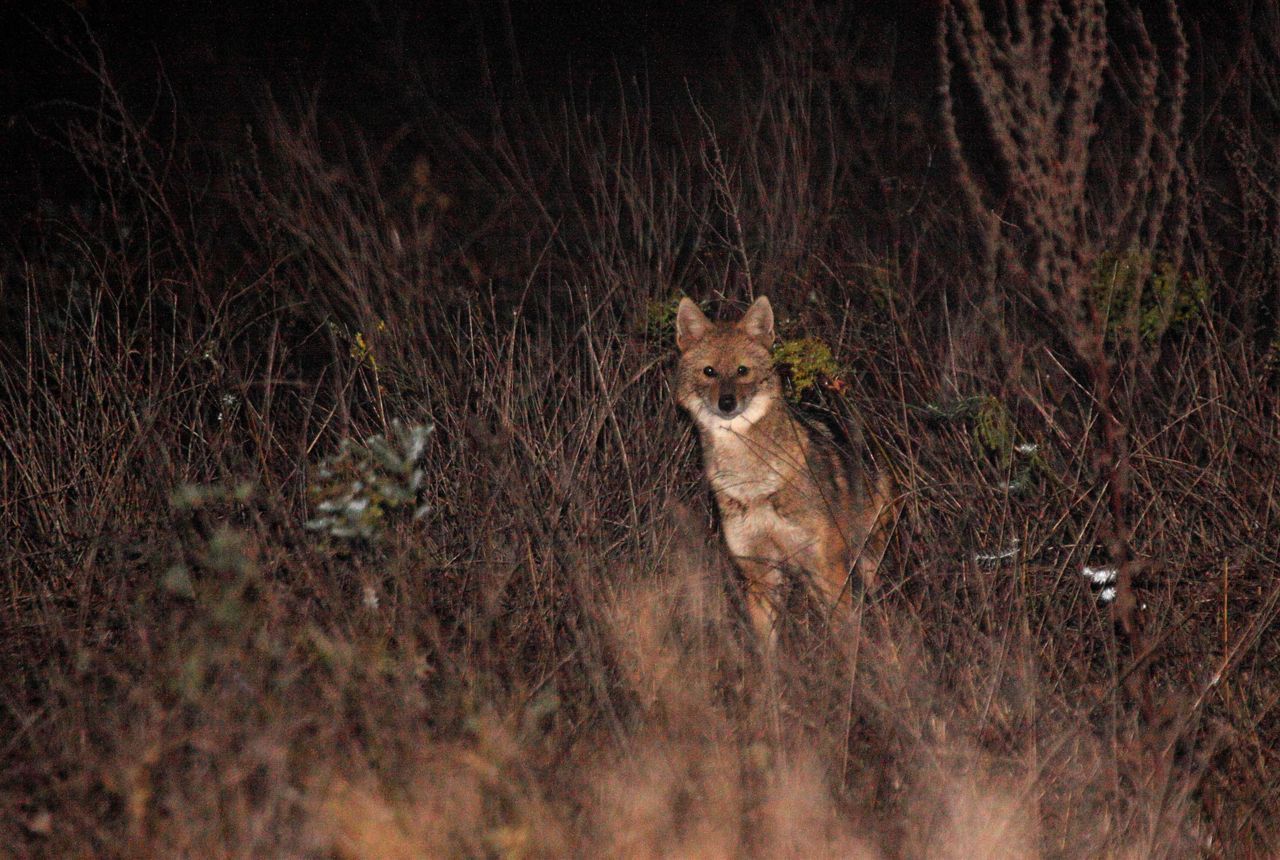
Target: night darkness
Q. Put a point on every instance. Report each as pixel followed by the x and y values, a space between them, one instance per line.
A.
pixel 372 484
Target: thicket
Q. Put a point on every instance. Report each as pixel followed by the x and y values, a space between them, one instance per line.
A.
pixel 345 511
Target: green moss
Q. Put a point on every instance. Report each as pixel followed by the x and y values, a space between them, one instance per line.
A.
pixel 660 317
pixel 1165 301
pixel 994 434
pixel 805 362
pixel 993 429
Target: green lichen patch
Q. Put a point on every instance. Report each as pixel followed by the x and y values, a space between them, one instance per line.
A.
pixel 805 363
pixel 1136 290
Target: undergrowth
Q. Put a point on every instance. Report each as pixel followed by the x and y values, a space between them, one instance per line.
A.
pixel 339 520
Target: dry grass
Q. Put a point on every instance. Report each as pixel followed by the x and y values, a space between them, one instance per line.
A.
pixel 553 660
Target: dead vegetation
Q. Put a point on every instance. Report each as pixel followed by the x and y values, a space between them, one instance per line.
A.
pixel 1066 340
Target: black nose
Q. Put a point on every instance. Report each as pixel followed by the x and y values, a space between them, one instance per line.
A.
pixel 727 402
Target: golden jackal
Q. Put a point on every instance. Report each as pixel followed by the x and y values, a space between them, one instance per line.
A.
pixel 789 497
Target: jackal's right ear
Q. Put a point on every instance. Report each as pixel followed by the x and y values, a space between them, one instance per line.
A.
pixel 691 324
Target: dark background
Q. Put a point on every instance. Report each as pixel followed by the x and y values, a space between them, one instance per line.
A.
pixel 372 64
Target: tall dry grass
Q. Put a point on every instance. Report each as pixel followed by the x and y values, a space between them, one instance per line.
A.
pixel 553 660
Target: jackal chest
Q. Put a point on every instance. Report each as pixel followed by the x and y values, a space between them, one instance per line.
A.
pixel 745 488
pixel 760 529
pixel 755 481
pixel 751 509
pixel 746 470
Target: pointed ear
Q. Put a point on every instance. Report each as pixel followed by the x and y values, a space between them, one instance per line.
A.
pixel 691 324
pixel 758 321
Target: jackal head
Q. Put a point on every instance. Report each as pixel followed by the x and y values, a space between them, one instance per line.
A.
pixel 725 370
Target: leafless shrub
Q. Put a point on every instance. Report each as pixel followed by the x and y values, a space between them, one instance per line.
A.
pixel 1062 195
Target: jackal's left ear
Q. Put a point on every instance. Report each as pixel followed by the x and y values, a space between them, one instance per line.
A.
pixel 691 324
pixel 758 321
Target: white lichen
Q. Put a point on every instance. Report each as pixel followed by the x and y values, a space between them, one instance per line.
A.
pixel 993 558
pixel 356 489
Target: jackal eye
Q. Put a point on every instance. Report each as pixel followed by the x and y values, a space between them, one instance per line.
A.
pixel 709 371
pixel 742 370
